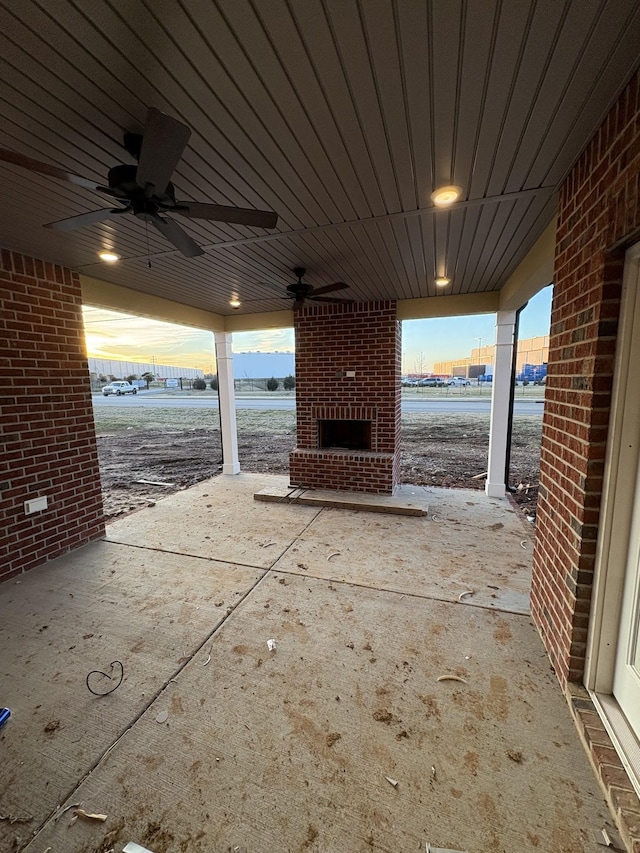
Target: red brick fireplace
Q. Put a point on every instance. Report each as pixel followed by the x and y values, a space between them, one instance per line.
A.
pixel 347 397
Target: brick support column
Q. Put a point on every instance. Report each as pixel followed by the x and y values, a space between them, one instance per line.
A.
pixel 348 369
pixel 46 417
pixel 599 215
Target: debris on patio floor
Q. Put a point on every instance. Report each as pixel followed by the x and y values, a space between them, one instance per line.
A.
pixel 298 750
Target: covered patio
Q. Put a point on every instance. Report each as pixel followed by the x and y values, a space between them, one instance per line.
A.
pixel 420 159
pixel 343 738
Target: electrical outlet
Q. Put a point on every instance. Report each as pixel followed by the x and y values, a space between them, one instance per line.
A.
pixel 35 505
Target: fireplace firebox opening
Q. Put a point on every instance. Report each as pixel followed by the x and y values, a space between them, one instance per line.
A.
pixel 349 434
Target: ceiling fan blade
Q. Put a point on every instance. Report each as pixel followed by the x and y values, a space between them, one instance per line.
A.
pixel 329 288
pixel 132 143
pixel 83 219
pixel 334 299
pixel 221 213
pixel 180 239
pixel 45 169
pixel 163 142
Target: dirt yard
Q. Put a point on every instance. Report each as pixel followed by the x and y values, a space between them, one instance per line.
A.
pixel 146 454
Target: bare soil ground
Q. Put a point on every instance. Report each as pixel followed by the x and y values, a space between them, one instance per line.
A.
pixel 147 454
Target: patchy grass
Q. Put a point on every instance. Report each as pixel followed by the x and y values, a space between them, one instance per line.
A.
pixel 450 449
pixel 113 420
pixel 464 429
pixel 527 433
pixel 182 446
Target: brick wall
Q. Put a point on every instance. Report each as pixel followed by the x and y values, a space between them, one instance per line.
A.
pixel 46 420
pixel 599 215
pixel 331 340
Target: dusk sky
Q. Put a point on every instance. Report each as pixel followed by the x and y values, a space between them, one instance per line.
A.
pixel 120 336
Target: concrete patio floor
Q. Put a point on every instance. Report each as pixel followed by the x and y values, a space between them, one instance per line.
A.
pixel 291 749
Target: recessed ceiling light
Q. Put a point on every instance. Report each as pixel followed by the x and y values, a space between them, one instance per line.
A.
pixel 109 257
pixel 442 281
pixel 446 195
pixel 235 302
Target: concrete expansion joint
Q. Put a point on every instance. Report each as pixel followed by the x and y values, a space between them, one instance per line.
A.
pixel 404 594
pixel 186 554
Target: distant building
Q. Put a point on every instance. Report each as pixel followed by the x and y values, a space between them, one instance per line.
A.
pixel 121 369
pixel 533 354
pixel 246 365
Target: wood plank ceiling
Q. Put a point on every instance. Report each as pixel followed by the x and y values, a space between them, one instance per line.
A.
pixel 340 115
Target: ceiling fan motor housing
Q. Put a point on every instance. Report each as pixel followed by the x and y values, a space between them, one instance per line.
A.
pixel 123 182
pixel 300 290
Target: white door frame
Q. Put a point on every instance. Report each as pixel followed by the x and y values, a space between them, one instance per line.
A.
pixel 621 465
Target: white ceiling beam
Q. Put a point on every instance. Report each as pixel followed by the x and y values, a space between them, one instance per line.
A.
pixel 448 306
pixel 533 273
pixel 114 297
pixel 256 322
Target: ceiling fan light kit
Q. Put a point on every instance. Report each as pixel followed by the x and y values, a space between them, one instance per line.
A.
pixel 146 190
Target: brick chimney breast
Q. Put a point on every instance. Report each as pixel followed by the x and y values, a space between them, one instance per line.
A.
pixel 347 397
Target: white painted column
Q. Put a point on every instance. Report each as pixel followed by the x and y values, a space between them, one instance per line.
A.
pixel 226 392
pixel 495 486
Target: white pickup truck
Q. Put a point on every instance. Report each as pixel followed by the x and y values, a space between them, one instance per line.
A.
pixel 119 388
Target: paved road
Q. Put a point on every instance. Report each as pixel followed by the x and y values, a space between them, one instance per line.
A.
pixel 446 406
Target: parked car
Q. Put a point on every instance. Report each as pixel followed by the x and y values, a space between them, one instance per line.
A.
pixel 431 382
pixel 119 388
pixel 457 381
